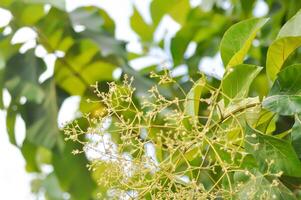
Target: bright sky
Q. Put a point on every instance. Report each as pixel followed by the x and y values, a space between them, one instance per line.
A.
pixel 14 181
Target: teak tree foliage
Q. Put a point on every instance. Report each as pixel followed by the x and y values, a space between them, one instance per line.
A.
pixel 152 134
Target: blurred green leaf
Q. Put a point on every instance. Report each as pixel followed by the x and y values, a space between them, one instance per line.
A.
pixel 22 74
pixel 177 9
pixel 52 188
pixel 11 116
pixel 41 119
pixel 23 13
pixel 93 19
pixel 81 67
pixel 72 173
pixel 29 152
pixel 56 3
pixel 199 26
pixel 144 30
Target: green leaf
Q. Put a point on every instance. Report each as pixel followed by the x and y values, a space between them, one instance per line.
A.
pixel 144 30
pixel 268 149
pixel 258 186
pixel 22 13
pixel 72 173
pixel 193 98
pixel 238 39
pixel 55 31
pixel 177 9
pixel 237 81
pixel 2 65
pixel 6 51
pixel 29 152
pixel 94 19
pixel 296 135
pixel 22 74
pixel 193 30
pixel 108 45
pixel 56 3
pixel 11 115
pixel 52 188
pixel 288 39
pixel 81 67
pixel 284 97
pixel 41 119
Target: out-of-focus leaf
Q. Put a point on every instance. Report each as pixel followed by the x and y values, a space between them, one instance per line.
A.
pixel 55 31
pixel 22 74
pixel 238 39
pixel 41 119
pixel 199 26
pixel 284 97
pixel 72 173
pixel 11 115
pixel 29 151
pixel 23 13
pixel 52 188
pixel 247 7
pixel 56 3
pixel 107 44
pixel 144 30
pixel 6 51
pixel 237 81
pixel 288 39
pixel 269 150
pixel 94 19
pixel 80 68
pixel 177 9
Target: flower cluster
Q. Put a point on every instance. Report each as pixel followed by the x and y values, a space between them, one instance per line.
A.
pixel 149 145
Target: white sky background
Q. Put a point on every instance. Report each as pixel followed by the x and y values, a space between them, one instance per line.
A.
pixel 14 181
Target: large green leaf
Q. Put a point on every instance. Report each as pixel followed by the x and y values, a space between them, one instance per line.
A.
pixel 288 39
pixel 258 186
pixel 268 149
pixel 285 95
pixel 237 81
pixel 238 39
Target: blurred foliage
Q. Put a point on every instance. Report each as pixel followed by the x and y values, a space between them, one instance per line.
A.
pixel 94 54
